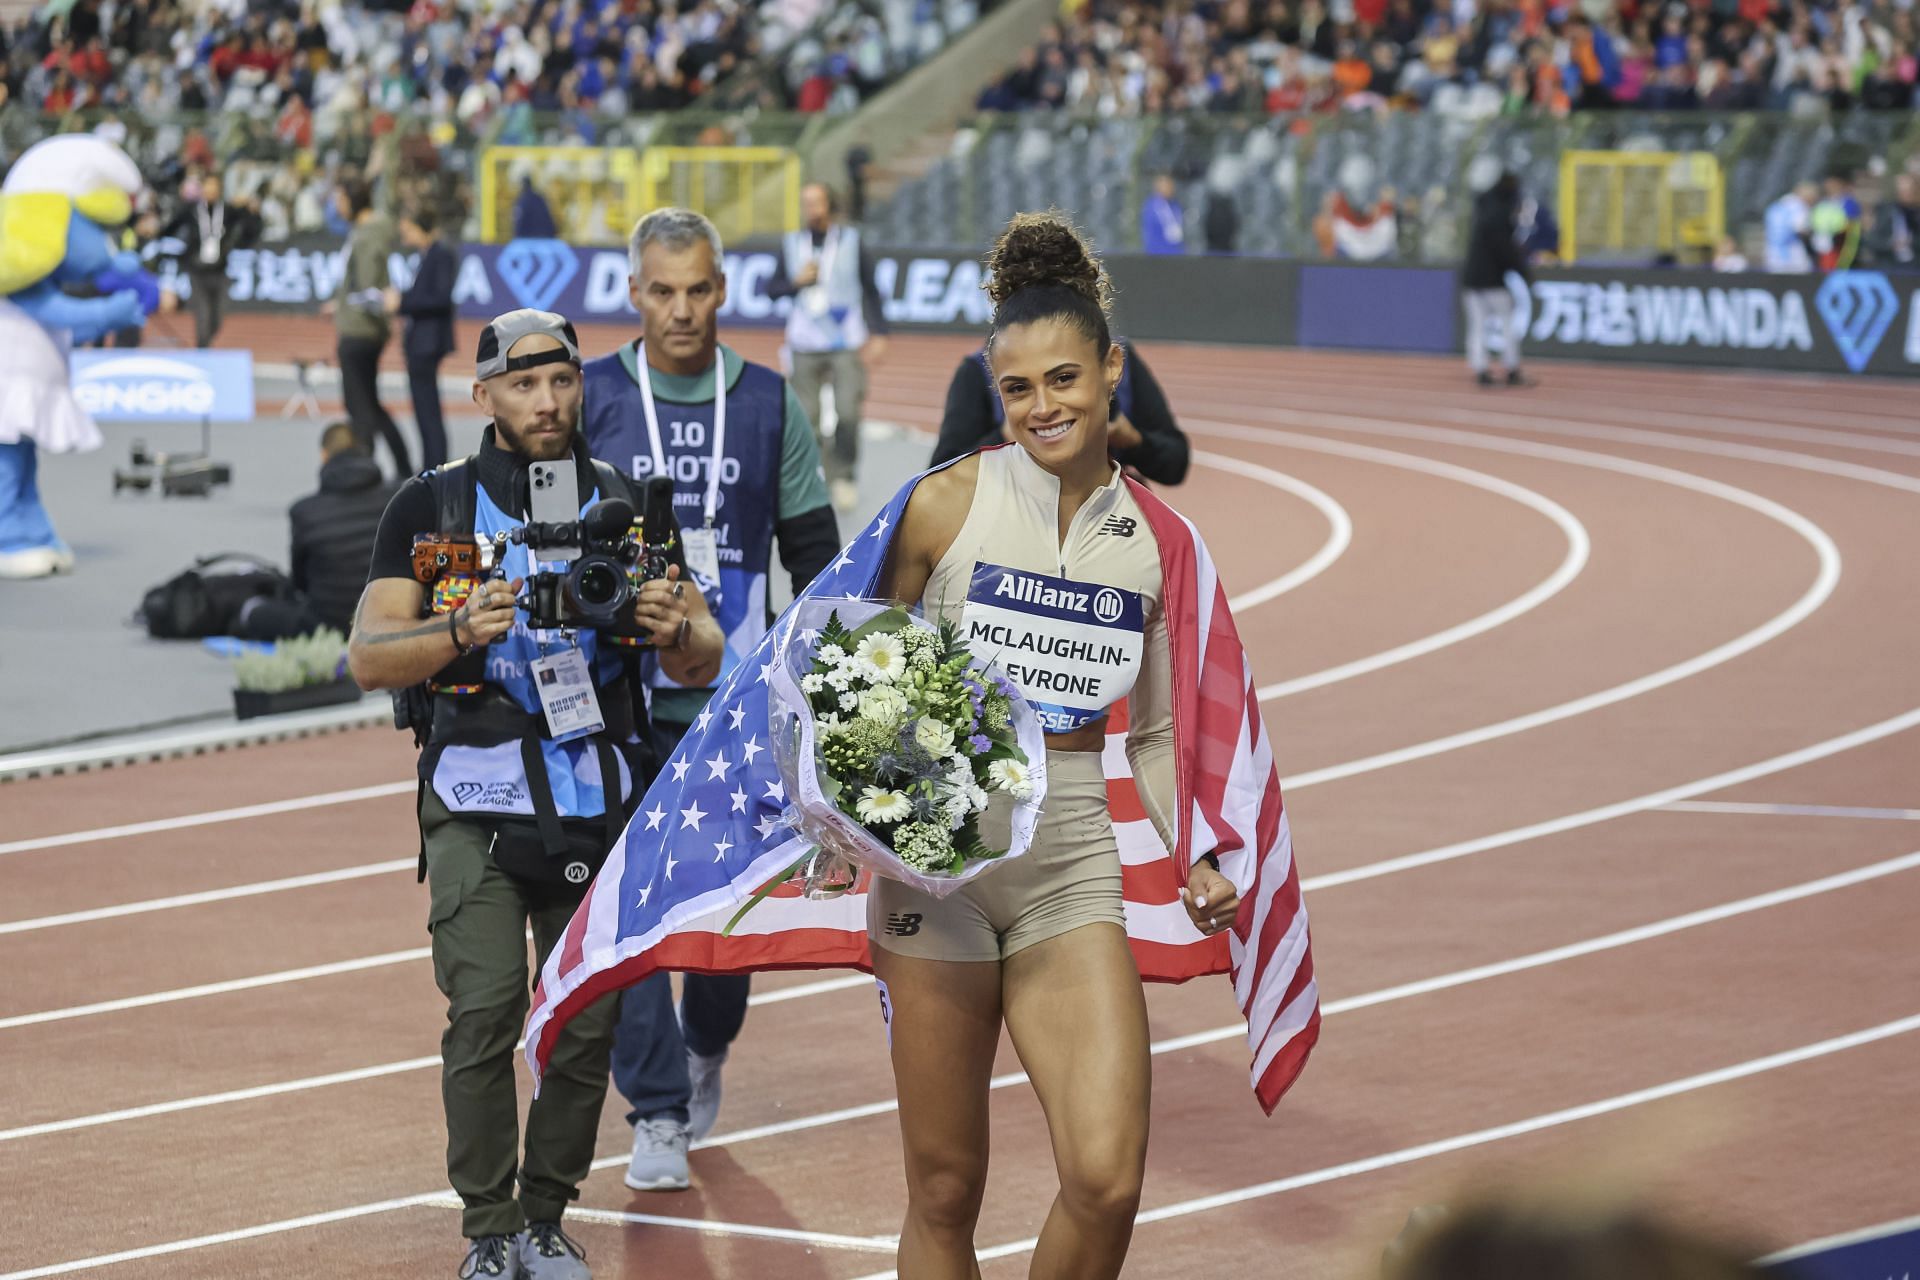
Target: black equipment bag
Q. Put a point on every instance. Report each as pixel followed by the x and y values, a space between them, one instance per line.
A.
pixel 206 599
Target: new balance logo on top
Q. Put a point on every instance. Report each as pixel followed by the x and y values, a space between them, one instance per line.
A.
pixel 904 925
pixel 1120 526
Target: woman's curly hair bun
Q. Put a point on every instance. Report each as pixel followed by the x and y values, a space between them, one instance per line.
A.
pixel 1040 249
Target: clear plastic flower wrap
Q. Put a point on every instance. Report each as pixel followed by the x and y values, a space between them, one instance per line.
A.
pixel 903 754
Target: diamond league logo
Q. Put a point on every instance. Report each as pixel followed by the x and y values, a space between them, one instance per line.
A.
pixel 1859 307
pixel 536 271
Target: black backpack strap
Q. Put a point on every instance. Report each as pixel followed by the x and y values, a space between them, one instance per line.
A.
pixel 453 498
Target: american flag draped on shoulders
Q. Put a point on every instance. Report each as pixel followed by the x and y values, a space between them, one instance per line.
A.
pixel 707 835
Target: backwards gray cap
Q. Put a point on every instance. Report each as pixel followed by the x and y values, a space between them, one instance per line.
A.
pixel 503 332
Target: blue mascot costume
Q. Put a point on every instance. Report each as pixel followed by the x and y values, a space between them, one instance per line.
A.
pixel 58 206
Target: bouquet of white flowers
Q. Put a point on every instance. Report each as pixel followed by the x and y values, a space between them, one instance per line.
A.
pixel 903 753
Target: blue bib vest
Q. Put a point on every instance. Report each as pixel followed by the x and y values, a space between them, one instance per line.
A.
pixel 492 778
pixel 1123 392
pixel 749 498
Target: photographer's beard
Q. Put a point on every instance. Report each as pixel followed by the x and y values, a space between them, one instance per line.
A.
pixel 535 437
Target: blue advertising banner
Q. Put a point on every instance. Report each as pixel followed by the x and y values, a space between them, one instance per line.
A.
pixel 178 386
pixel 1378 308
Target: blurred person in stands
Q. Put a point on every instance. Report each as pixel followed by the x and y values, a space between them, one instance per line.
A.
pixel 1162 220
pixel 1789 225
pixel 1493 252
pixel 359 311
pixel 1142 434
pixel 1515 1239
pixel 211 227
pixel 532 216
pixel 836 328
pixel 743 452
pixel 427 304
pixel 1221 222
pixel 1837 224
pixel 332 546
pixel 1727 256
pixel 1903 221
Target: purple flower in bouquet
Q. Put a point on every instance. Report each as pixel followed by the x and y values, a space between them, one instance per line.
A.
pixel 980 744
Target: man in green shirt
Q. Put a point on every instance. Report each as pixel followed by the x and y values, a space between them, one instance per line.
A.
pixel 747 475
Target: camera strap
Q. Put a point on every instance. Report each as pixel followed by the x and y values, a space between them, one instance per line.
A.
pixel 702 544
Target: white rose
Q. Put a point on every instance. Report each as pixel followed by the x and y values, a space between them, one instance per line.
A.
pixel 882 704
pixel 935 737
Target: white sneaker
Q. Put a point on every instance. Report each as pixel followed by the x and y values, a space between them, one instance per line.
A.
pixel 35 562
pixel 703 1108
pixel 659 1156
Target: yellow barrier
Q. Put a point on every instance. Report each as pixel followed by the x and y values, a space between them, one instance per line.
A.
pixel 1634 204
pixel 597 194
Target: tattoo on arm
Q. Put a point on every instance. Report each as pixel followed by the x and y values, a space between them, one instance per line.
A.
pixel 437 627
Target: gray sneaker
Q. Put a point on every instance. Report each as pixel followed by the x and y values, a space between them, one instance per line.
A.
pixel 703 1108
pixel 659 1156
pixel 548 1253
pixel 491 1258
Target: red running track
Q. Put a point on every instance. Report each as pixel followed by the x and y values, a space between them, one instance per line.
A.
pixel 1599 736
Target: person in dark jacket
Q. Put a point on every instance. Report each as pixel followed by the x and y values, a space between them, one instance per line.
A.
pixel 427 304
pixel 1494 252
pixel 210 229
pixel 1145 438
pixel 532 216
pixel 333 529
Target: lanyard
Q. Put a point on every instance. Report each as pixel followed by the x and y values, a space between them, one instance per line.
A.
pixel 719 423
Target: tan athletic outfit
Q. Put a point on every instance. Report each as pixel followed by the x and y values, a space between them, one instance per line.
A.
pixel 1071 652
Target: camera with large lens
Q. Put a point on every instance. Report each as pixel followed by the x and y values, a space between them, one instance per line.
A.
pixel 608 552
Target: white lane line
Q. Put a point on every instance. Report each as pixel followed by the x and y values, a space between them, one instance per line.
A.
pixel 229 1237
pixel 218 1099
pixel 1497 1133
pixel 327 971
pixel 1791 810
pixel 1841 1241
pixel 210 895
pixel 187 820
pixel 216 988
pixel 1579 548
pixel 1480 973
pixel 354 1076
pixel 1339 526
pixel 1826 578
pixel 710 1226
pixel 1638 804
pixel 1388 995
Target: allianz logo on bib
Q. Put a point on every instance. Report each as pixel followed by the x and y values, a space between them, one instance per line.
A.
pixel 1033 591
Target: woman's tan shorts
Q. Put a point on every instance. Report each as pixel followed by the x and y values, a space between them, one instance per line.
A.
pixel 1069 877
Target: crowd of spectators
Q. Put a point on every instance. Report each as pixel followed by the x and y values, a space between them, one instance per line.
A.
pixel 1478 57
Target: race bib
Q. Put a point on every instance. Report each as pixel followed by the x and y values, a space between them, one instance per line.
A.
pixel 1071 648
pixel 567 695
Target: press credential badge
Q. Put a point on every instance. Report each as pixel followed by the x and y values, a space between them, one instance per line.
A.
pixel 567 695
pixel 703 555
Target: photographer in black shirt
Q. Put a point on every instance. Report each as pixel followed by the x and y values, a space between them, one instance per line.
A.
pixel 527 700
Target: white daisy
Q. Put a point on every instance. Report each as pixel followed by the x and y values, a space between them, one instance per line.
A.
pixel 849 701
pixel 840 677
pixel 812 682
pixel 832 654
pixel 1011 777
pixel 883 657
pixel 879 804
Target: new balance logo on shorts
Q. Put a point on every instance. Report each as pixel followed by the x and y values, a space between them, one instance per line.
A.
pixel 1120 526
pixel 904 925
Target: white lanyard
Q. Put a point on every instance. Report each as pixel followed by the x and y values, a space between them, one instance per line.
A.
pixel 719 423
